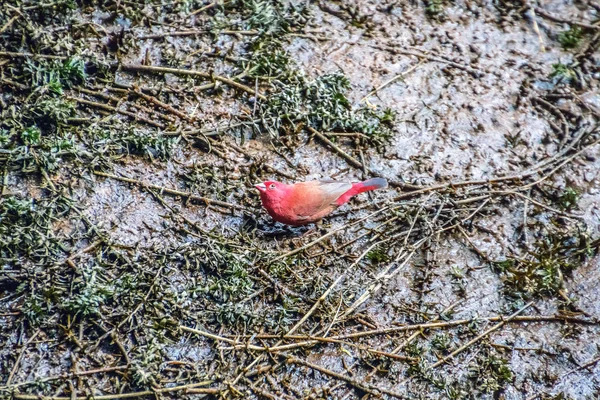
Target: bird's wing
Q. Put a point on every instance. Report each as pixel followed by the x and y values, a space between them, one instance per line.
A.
pixel 334 189
pixel 315 196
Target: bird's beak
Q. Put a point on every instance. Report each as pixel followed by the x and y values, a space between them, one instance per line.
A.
pixel 261 187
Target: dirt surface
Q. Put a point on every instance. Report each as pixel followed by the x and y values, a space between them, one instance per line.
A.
pixel 137 260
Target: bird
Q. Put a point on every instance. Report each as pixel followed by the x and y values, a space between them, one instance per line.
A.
pixel 303 203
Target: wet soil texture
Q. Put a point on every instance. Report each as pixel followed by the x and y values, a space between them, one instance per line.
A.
pixel 136 259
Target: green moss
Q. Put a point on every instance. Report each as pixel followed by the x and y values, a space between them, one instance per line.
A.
pixel 26 229
pixel 377 255
pixel 490 372
pixel 542 271
pixel 35 309
pixel 322 104
pixel 131 140
pixel 232 281
pixel 268 17
pixel 53 75
pixel 571 38
pixel 270 61
pixel 235 314
pixel 283 315
pixel 279 269
pixel 441 342
pixel 563 73
pixel 147 359
pixel 49 113
pixel 89 295
pixel 209 178
pixel 31 135
pixel 434 8
pixel 568 199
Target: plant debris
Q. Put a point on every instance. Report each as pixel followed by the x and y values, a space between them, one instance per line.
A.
pixel 136 260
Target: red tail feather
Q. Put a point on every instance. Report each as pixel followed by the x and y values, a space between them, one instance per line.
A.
pixel 361 187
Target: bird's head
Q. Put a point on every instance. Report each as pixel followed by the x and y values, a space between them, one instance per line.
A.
pixel 271 190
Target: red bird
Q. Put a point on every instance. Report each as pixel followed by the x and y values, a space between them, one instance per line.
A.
pixel 306 202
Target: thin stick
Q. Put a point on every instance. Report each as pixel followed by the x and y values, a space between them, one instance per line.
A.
pixel 107 107
pixel 260 391
pixel 164 70
pixel 31 55
pixel 221 338
pixel 118 102
pixel 15 84
pixel 190 72
pixel 116 396
pixel 206 7
pixel 376 285
pixel 557 112
pixel 384 276
pixel 438 325
pixel 559 166
pixel 195 33
pixel 389 82
pixel 313 341
pixel 565 21
pixel 172 191
pixel 525 216
pixel 475 248
pixel 584 366
pixel 551 160
pixel 372 389
pixel 71 259
pixel 210 131
pixel 19 357
pixel 325 236
pixel 544 206
pixel 159 103
pixel 204 391
pixel 9 23
pixel 331 287
pixel 478 338
pixel 398 50
pixel 536 28
pixel 520 176
pixel 66 376
pixel 351 160
pixel 317 303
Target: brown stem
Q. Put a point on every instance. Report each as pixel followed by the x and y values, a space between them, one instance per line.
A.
pixel 372 389
pixel 31 55
pixel 102 106
pixel 19 357
pixel 161 104
pixel 172 191
pixel 116 396
pixel 190 72
pixel 398 50
pixel 554 18
pixel 479 337
pixel 9 23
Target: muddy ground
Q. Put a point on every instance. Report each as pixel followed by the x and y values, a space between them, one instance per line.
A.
pixel 137 260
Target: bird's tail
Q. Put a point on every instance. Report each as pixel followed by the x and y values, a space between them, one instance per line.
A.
pixel 361 187
pixel 370 184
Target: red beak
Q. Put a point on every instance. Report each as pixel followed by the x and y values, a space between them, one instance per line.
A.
pixel 261 187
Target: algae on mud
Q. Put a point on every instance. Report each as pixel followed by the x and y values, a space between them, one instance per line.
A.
pixel 135 256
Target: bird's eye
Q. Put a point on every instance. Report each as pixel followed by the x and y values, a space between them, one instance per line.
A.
pixel 272 186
